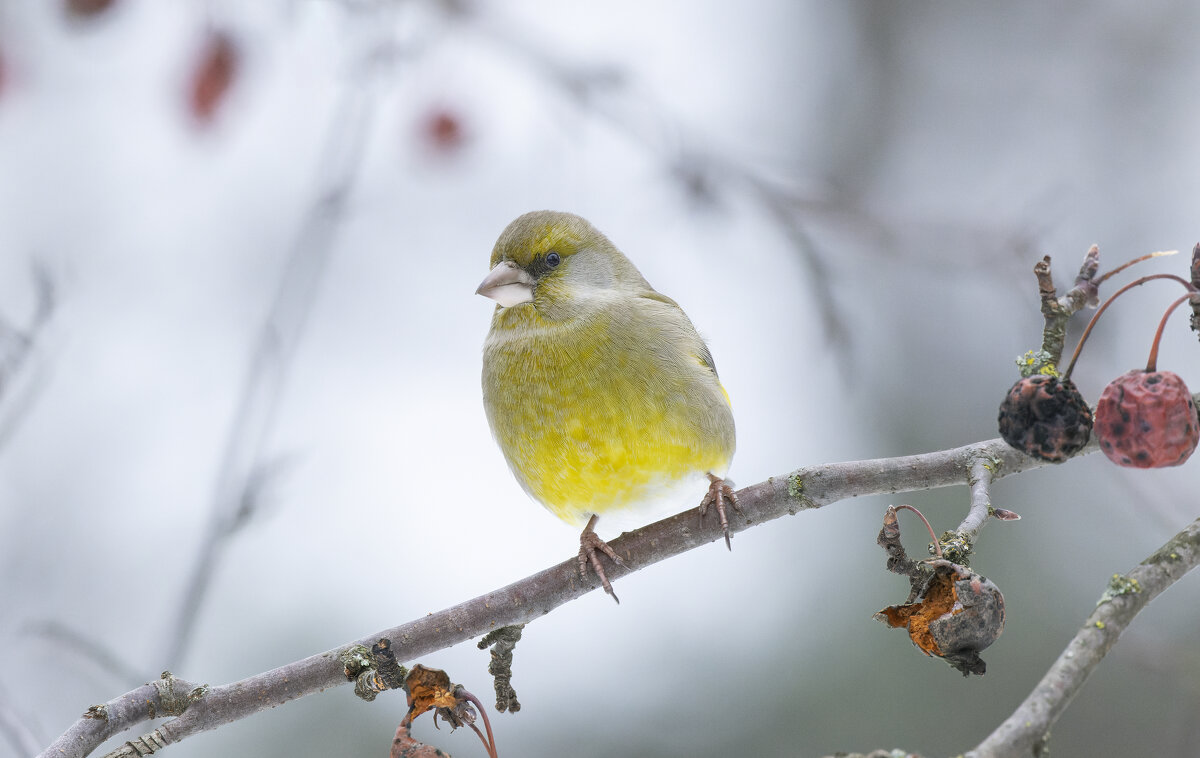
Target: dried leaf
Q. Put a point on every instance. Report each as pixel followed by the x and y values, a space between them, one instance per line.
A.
pixel 404 745
pixel 428 688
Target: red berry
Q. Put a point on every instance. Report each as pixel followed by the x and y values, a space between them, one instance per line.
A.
pixel 1147 419
pixel 444 130
pixel 1045 417
pixel 212 76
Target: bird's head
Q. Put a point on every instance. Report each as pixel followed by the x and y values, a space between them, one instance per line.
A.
pixel 552 261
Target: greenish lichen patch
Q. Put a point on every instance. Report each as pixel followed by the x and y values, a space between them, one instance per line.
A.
pixel 355 660
pixel 1041 362
pixel 795 486
pixel 956 548
pixel 1119 585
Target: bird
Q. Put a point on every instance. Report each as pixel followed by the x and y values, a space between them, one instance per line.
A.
pixel 598 389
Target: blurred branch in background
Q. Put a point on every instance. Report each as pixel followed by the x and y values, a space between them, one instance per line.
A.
pixel 18 347
pixel 607 93
pixel 531 598
pixel 244 475
pixel 65 638
pixel 708 176
pixel 15 728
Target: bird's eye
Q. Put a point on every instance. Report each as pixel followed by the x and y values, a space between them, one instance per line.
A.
pixel 553 259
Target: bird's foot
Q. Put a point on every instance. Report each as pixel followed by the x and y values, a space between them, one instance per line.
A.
pixel 719 493
pixel 589 543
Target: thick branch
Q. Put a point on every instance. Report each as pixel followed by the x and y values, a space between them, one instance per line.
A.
pixel 537 595
pixel 1026 731
pixel 165 697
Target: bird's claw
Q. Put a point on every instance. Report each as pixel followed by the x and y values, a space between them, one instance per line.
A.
pixel 719 493
pixel 589 543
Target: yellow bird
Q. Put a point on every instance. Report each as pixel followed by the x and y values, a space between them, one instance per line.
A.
pixel 598 389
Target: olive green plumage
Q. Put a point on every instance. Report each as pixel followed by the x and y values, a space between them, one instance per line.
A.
pixel 598 389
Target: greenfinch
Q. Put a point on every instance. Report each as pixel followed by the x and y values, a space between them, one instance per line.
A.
pixel 598 389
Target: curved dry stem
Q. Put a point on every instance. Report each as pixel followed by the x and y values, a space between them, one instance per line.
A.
pixel 937 546
pixel 489 743
pixel 1156 254
pixel 1104 306
pixel 1152 361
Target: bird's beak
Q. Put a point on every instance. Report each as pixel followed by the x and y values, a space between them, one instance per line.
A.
pixel 507 284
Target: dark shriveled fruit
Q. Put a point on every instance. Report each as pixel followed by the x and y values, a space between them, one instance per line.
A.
pixel 957 614
pixel 1147 419
pixel 1045 417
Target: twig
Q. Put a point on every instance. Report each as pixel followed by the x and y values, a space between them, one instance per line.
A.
pixel 534 596
pixel 240 481
pixel 167 696
pixel 1057 311
pixel 980 481
pixel 1026 731
pixel 64 636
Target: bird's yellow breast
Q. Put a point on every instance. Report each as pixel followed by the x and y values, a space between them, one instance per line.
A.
pixel 593 417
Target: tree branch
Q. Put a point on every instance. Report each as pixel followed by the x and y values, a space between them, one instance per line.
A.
pixel 534 596
pixel 1027 730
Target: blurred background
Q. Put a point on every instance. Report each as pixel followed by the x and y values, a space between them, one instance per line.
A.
pixel 238 249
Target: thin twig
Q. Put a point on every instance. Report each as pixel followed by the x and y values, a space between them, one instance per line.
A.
pixel 239 482
pixel 1026 731
pixel 980 480
pixel 534 596
pixel 69 638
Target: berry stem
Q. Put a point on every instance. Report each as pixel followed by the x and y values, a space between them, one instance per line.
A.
pixel 1104 306
pixel 1157 254
pixel 1152 363
pixel 489 743
pixel 937 546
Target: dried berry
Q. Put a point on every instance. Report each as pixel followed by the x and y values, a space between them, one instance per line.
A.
pixel 957 614
pixel 1147 419
pixel 1045 417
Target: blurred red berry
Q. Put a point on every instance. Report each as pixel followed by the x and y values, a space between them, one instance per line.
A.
pixel 87 8
pixel 1147 419
pixel 443 130
pixel 212 77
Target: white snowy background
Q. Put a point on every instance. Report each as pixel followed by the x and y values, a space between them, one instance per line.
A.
pixel 924 155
